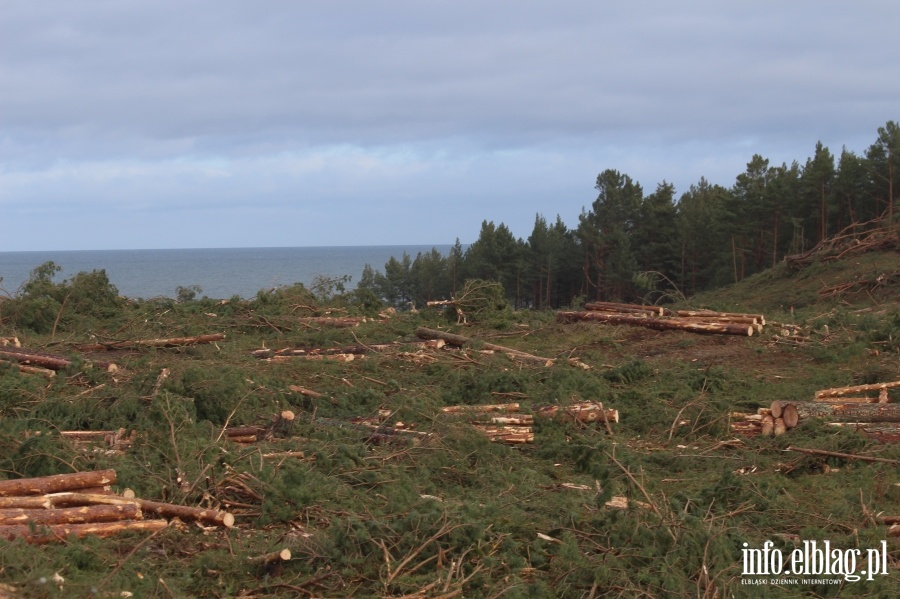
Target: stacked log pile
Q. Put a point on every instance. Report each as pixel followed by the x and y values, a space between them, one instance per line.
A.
pixel 504 423
pixel 653 317
pixel 853 407
pixel 51 508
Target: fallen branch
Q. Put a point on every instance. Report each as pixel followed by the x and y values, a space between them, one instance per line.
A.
pixel 661 324
pixel 836 454
pixel 838 391
pixel 46 360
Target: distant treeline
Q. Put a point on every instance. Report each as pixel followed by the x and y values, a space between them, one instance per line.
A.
pixel 629 245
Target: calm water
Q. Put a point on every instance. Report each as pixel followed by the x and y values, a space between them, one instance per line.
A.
pixel 220 273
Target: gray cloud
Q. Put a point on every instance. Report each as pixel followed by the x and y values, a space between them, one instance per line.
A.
pixel 126 104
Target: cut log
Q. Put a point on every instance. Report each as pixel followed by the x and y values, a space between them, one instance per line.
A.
pixel 768 426
pixel 139 343
pixel 849 412
pixel 523 420
pixel 460 340
pixel 747 428
pixel 779 428
pixel 71 515
pixel 512 435
pixel 790 416
pixel 661 324
pixel 25 369
pixel 79 498
pixel 759 317
pixel 29 502
pixel 50 361
pixel 590 411
pixel 894 531
pixel 186 513
pixel 60 532
pixel 331 321
pixel 306 392
pixel 505 407
pixel 847 399
pixel 271 558
pixel 838 391
pixel 624 308
pixel 57 482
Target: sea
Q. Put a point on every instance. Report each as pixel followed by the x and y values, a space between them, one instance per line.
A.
pixel 219 273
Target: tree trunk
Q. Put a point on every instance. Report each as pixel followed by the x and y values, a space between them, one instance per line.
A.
pixel 849 412
pixel 58 482
pixel 51 361
pixel 512 435
pixel 459 340
pixel 660 324
pixel 60 532
pixel 137 343
pixel 71 515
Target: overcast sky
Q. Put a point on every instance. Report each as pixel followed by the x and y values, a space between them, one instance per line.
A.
pixel 225 123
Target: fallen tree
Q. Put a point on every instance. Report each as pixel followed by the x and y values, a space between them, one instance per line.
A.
pixel 60 532
pixel 460 341
pixel 839 391
pixel 660 324
pixel 138 343
pixel 47 360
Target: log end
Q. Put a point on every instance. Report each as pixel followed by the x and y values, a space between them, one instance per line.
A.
pixel 228 522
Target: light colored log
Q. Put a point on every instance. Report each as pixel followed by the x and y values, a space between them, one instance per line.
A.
pixel 57 482
pixel 768 426
pixel 282 555
pixel 305 391
pixel 838 391
pixel 31 502
pixel 779 428
pixel 589 411
pixel 48 361
pixel 60 532
pixel 846 399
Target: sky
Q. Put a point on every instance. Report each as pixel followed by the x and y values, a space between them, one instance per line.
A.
pixel 131 124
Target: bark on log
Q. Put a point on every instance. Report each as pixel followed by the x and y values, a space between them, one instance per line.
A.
pixel 271 558
pixel 623 308
pixel 186 513
pixel 30 502
pixel 57 482
pixel 838 391
pixel 460 340
pixel 25 369
pixel 849 412
pixel 138 343
pixel 50 361
pixel 60 532
pixel 661 324
pixel 732 319
pixel 590 411
pixel 759 317
pixel 79 498
pixel 71 515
